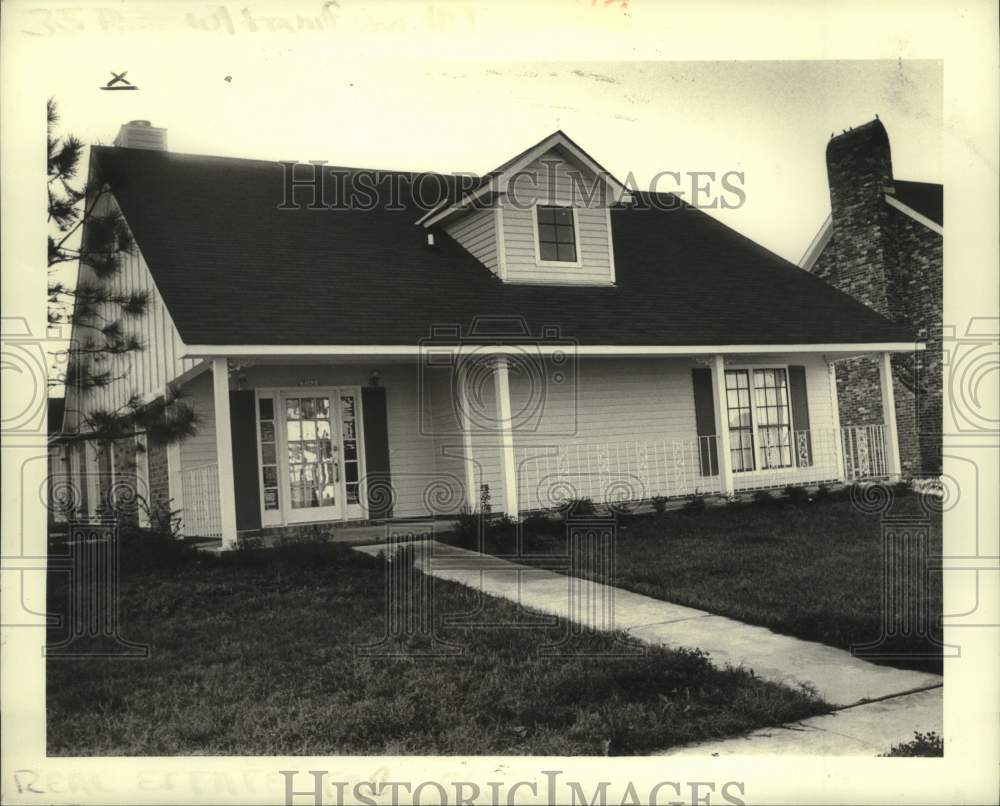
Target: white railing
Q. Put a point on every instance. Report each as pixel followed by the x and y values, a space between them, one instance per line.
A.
pixel 864 451
pixel 781 458
pixel 629 470
pixel 201 515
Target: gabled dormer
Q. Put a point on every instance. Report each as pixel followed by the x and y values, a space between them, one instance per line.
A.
pixel 543 216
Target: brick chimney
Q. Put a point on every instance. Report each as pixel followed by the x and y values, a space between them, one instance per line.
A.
pixel 859 171
pixel 141 134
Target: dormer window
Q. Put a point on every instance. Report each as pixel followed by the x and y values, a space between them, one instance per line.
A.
pixel 556 234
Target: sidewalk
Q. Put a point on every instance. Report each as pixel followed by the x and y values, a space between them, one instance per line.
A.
pixel 862 730
pixel 838 677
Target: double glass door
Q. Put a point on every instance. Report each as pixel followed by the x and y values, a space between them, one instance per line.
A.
pixel 310 455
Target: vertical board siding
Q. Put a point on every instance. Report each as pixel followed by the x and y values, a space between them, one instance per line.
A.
pixel 141 372
pixel 519 231
pixel 476 232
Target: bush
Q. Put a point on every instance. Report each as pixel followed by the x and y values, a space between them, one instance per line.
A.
pixel 695 503
pixel 922 744
pixel 468 531
pixel 764 498
pixel 579 508
pixel 659 503
pixel 796 494
pixel 823 493
pixel 145 549
pixel 902 488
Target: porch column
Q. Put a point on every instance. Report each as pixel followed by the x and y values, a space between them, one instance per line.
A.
pixel 224 451
pixel 722 424
pixel 465 423
pixel 501 385
pixel 889 416
pixel 838 437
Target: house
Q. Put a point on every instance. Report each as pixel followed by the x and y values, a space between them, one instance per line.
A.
pixel 882 243
pixel 60 494
pixel 357 353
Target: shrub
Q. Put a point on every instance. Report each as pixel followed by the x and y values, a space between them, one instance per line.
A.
pixel 467 533
pixel 579 508
pixel 659 503
pixel 796 494
pixel 823 493
pixel 763 497
pixel 144 549
pixel 902 488
pixel 540 523
pixel 249 542
pixel 695 503
pixel 163 520
pixel 922 744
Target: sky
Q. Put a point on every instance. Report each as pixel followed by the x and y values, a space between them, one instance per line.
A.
pixel 769 120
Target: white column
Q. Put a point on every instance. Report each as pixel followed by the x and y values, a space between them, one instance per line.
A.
pixel 224 451
pixel 722 424
pixel 838 437
pixel 889 416
pixel 465 423
pixel 501 385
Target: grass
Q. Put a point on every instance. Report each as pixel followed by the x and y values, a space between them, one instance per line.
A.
pixel 806 568
pixel 253 653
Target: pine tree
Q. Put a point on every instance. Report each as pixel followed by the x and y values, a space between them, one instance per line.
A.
pixel 86 230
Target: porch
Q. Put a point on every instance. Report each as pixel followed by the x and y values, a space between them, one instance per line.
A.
pixel 350 446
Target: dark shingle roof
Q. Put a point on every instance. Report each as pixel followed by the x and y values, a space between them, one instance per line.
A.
pixel 924 197
pixel 234 269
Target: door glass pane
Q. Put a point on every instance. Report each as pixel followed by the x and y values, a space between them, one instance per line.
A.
pixel 311 468
pixel 268 454
pixel 350 445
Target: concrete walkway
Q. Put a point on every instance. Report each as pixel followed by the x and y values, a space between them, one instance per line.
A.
pixel 861 730
pixel 838 677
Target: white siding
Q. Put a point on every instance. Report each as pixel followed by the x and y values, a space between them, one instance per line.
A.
pixel 199 450
pixel 603 411
pixel 142 372
pixel 476 232
pixel 632 422
pixel 555 184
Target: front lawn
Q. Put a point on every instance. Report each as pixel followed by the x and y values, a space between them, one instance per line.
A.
pixel 811 569
pixel 254 654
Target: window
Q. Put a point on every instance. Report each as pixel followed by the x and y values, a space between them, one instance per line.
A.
pixel 740 420
pixel 773 420
pixel 556 234
pixel 766 422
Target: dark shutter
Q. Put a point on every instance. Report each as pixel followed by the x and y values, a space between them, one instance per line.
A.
pixel 243 428
pixel 377 477
pixel 801 437
pixel 704 418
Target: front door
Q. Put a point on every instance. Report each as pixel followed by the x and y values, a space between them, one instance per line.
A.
pixel 312 458
pixel 310 455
